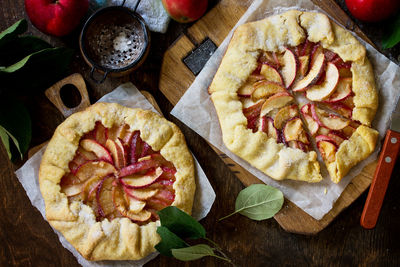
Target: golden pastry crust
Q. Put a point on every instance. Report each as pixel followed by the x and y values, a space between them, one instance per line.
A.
pixel 120 238
pixel 274 34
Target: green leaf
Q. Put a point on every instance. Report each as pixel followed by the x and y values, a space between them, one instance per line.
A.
pixel 169 241
pixel 192 253
pixel 6 140
pixel 38 70
pixel 15 120
pixel 258 202
pixel 20 47
pixel 181 223
pixel 7 143
pixel 394 37
pixel 13 31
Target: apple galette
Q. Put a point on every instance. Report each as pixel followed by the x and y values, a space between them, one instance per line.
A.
pixel 105 174
pixel 274 64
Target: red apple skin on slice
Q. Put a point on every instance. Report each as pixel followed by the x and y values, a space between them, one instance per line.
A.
pixel 166 196
pixel 95 147
pixel 117 152
pixel 312 125
pixel 76 162
pixel 253 111
pixel 100 133
pixel 284 114
pixel 271 59
pixel 278 100
pixel 263 89
pixel 138 167
pixel 303 65
pixel 342 91
pixel 314 74
pixel 136 147
pixel 345 73
pixel 271 74
pixel 334 122
pixel 337 137
pixel 246 90
pixel 86 154
pixel 327 150
pixel 94 168
pixel 89 186
pixel 104 197
pixel 290 67
pixel 267 126
pixel 306 109
pixel 72 190
pixel 323 91
pixel 121 205
pixel 141 181
pixel 141 194
pixel 341 108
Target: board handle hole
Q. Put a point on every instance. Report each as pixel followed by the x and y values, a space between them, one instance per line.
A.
pixel 70 96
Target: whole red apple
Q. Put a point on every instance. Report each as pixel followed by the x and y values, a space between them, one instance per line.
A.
pixel 56 17
pixel 372 10
pixel 185 10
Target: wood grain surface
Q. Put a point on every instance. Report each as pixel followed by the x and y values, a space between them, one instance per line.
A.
pixel 26 239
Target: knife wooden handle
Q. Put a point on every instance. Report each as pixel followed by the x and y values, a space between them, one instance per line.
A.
pixel 383 171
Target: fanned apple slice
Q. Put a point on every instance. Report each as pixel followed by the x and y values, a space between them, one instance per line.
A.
pixel 342 90
pixel 141 181
pixel 322 137
pixel 294 131
pixel 263 89
pixel 267 126
pixel 248 102
pixel 323 91
pixel 271 74
pixel 118 152
pixel 72 190
pixel 100 133
pixel 278 100
pixel 312 125
pixel 316 70
pixel 121 205
pixel 141 194
pixel 166 196
pixel 89 186
pixel 328 150
pixel 290 66
pixel 270 58
pixel 323 131
pixel 136 147
pixel 348 131
pixel 104 197
pixel 330 121
pixel 303 65
pixel 95 147
pixel 138 167
pixel 284 114
pixel 117 131
pixel 94 168
pixel 337 137
pixel 246 90
pixel 253 112
pixel 135 205
pixel 345 73
pixel 340 108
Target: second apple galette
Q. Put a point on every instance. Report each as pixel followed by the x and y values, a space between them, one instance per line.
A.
pixel 105 174
pixel 274 64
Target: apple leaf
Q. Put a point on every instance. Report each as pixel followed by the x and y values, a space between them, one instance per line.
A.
pixel 6 140
pixel 192 253
pixel 181 223
pixel 20 47
pixel 394 37
pixel 16 122
pixel 258 202
pixel 169 241
pixel 13 31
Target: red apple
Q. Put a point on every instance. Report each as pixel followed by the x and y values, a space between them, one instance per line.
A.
pixel 56 17
pixel 185 11
pixel 372 10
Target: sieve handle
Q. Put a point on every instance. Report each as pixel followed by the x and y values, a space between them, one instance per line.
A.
pixel 98 81
pixel 136 5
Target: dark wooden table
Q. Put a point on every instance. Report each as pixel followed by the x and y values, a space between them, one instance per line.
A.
pixel 26 239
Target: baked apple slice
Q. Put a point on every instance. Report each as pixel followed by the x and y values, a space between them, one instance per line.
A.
pixel 290 65
pixel 104 197
pixel 316 71
pixel 324 90
pixel 100 133
pixel 72 190
pixel 263 89
pixel 284 114
pixel 330 121
pixel 294 131
pixel 100 151
pixel 141 181
pixel 348 131
pixel 94 168
pixel 271 59
pixel 278 100
pixel 327 150
pixel 138 214
pixel 303 65
pixel 117 151
pixel 267 126
pixel 342 91
pixel 141 194
pixel 89 186
pixel 312 125
pixel 337 137
pixel 271 74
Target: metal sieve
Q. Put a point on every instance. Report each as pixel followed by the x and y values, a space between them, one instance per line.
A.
pixel 114 41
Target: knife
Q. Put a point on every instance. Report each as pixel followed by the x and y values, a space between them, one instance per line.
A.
pixel 387 160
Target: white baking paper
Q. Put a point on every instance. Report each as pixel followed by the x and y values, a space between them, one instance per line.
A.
pixel 127 95
pixel 197 111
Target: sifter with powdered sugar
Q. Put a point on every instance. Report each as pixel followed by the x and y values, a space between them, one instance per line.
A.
pixel 114 41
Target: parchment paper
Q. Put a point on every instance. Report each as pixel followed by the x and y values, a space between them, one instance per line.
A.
pixel 127 95
pixel 197 111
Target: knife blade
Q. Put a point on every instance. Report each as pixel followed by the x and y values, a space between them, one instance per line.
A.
pixel 383 172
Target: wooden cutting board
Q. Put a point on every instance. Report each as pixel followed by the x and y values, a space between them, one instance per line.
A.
pixel 176 77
